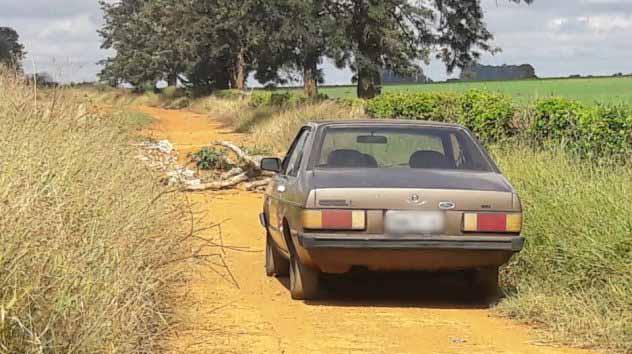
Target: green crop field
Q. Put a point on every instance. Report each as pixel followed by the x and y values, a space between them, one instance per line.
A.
pixel 589 90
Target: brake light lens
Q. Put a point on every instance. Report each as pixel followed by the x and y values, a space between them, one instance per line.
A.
pixel 334 219
pixel 492 222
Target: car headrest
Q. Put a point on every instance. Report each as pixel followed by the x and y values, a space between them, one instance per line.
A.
pixel 430 159
pixel 350 158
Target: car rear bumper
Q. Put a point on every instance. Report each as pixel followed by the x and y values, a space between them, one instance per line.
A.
pixel 338 253
pixel 346 241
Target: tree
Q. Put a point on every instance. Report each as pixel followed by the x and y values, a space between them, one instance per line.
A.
pixel 11 51
pixel 305 34
pixel 206 44
pixel 396 34
pixel 170 38
pixel 128 32
pixel 148 39
pixel 240 33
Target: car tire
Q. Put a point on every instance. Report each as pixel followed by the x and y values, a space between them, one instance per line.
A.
pixel 276 264
pixel 484 282
pixel 304 281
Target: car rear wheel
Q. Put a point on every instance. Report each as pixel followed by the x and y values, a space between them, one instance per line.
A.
pixel 276 264
pixel 484 282
pixel 304 281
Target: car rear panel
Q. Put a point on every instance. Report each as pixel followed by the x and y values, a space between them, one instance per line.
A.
pixel 381 190
pixel 377 201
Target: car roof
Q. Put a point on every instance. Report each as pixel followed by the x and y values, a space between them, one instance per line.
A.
pixel 384 122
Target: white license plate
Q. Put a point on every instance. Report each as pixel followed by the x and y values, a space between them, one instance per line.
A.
pixel 414 222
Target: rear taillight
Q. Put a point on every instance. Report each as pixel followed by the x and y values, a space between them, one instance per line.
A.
pixel 492 222
pixel 334 219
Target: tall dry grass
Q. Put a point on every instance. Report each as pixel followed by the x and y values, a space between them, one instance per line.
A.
pixel 274 127
pixel 574 277
pixel 87 239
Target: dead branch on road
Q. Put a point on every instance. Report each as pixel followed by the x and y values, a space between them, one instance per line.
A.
pixel 219 184
pixel 247 173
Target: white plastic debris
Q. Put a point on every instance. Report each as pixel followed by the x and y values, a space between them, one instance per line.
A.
pixel 165 146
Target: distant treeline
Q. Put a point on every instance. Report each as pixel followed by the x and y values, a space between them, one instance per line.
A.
pixel 216 44
pixel 503 72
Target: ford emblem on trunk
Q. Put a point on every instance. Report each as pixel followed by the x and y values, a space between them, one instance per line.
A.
pixel 447 205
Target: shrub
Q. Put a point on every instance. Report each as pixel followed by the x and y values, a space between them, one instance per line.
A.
pixel 230 94
pixel 172 92
pixel 279 99
pixel 283 98
pixel 598 132
pixel 260 98
pixel 351 102
pixel 210 159
pixel 87 237
pixel 442 107
pixel 604 132
pixel 556 118
pixel 489 115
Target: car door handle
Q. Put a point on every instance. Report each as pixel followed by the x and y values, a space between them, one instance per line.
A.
pixel 281 188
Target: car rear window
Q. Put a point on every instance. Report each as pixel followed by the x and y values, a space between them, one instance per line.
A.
pixel 401 147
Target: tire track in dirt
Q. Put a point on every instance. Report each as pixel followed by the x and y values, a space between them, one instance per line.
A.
pixel 366 314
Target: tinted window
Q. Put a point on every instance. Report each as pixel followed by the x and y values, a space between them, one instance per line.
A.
pixel 293 160
pixel 410 147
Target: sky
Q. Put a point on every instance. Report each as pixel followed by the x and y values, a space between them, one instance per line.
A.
pixel 558 37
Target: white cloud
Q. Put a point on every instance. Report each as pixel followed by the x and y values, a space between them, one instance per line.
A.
pixel 604 24
pixel 80 27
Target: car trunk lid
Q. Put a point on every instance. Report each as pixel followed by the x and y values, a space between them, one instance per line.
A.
pixel 413 199
pixel 411 189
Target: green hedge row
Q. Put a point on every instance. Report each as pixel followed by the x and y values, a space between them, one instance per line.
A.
pixel 488 115
pixel 591 131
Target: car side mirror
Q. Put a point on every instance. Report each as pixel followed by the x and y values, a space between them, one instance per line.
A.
pixel 271 164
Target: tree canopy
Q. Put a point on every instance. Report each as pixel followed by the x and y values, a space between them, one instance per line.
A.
pixel 11 51
pixel 217 44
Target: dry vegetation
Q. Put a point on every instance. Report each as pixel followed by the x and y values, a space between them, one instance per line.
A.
pixel 274 127
pixel 88 240
pixel 574 279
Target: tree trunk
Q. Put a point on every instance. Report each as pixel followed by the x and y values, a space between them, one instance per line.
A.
pixel 172 79
pixel 238 77
pixel 310 79
pixel 222 78
pixel 369 82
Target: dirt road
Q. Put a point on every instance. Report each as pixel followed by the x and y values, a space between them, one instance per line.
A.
pixel 405 313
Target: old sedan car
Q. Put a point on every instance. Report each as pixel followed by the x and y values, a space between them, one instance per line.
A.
pixel 388 196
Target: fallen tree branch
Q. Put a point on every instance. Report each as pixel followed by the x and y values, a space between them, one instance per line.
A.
pixel 241 178
pixel 232 173
pixel 252 162
pixel 256 184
